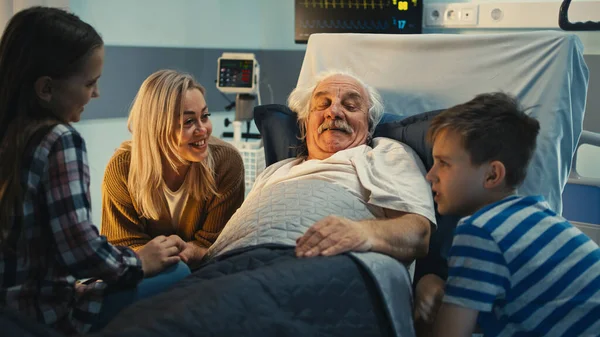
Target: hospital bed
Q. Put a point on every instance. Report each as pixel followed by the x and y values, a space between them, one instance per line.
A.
pixel 416 75
pixel 545 70
pixel 349 295
pixel 581 196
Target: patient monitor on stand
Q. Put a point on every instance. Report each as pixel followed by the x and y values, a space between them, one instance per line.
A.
pixel 238 73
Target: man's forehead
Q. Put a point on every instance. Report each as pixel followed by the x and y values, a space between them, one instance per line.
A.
pixel 340 84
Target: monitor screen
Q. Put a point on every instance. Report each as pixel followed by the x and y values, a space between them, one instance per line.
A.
pixel 357 16
pixel 235 73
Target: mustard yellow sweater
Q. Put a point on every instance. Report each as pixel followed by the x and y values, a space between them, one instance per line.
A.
pixel 201 220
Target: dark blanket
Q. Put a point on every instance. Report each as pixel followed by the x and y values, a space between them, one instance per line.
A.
pixel 265 291
pixel 15 324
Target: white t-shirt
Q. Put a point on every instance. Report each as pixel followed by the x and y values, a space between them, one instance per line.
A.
pixel 176 201
pixel 390 175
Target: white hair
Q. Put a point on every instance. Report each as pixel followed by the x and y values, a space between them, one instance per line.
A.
pixel 300 97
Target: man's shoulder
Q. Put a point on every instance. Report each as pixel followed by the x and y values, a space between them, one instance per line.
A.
pixel 264 177
pixel 387 151
pixel 384 143
pixel 392 146
pixel 285 162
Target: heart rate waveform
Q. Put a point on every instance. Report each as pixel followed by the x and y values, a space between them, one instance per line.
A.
pixel 357 16
pixel 371 26
pixel 349 4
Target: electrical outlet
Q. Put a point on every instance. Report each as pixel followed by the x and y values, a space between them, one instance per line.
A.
pixel 469 15
pixel 450 15
pixel 538 14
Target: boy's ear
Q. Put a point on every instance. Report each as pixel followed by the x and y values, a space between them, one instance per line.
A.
pixel 495 174
pixel 43 88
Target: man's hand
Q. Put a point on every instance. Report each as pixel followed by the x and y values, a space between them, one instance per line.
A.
pixel 428 297
pixel 160 253
pixel 334 235
pixel 192 253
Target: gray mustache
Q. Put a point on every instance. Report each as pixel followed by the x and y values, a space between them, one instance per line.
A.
pixel 337 124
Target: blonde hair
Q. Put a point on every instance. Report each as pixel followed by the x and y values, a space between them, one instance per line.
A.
pixel 156 111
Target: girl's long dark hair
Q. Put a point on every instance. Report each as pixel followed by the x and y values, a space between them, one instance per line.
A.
pixel 38 41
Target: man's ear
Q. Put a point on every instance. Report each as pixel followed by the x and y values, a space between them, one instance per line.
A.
pixel 496 172
pixel 43 88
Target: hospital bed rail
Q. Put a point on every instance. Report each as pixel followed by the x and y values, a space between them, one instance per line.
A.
pixel 565 24
pixel 581 195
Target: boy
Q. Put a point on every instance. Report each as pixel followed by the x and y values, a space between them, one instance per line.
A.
pixel 516 268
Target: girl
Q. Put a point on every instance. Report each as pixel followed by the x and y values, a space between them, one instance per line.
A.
pixel 50 63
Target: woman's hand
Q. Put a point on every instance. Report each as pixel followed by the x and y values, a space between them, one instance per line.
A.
pixel 160 253
pixel 192 253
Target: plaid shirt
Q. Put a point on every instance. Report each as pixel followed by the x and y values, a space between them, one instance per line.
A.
pixel 55 242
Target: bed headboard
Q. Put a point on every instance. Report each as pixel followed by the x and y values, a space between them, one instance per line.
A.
pixel 416 73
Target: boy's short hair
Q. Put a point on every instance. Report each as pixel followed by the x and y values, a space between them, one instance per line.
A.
pixel 493 127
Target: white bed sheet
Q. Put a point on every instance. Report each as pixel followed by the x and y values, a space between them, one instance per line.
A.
pixel 417 73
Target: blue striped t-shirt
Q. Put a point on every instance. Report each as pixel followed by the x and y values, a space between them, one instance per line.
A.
pixel 527 271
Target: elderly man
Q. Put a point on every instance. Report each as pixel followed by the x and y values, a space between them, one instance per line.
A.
pixel 315 248
pixel 337 117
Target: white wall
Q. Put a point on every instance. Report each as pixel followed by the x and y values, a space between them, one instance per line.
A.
pixel 9 7
pixel 6 11
pixel 591 40
pixel 266 24
pixel 102 137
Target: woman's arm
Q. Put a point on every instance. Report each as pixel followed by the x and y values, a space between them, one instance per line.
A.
pixel 120 221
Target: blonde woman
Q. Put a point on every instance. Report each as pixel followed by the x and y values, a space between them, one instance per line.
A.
pixel 172 178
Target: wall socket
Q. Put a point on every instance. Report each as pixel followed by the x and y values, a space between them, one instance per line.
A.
pixel 489 14
pixel 450 15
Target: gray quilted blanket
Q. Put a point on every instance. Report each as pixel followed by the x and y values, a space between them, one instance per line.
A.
pixel 262 291
pixel 280 213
